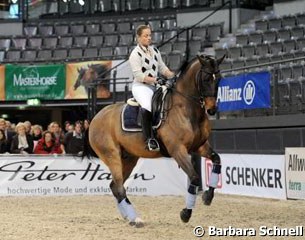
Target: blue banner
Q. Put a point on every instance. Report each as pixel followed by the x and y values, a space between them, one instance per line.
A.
pixel 246 91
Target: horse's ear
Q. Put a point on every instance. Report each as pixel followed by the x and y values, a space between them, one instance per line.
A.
pixel 201 60
pixel 220 60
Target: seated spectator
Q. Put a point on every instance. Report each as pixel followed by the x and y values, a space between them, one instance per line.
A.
pixel 3 143
pixel 36 132
pixel 48 144
pixel 86 124
pixel 22 143
pixel 74 140
pixel 8 134
pixel 55 128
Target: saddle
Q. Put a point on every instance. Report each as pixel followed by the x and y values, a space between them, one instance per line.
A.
pixel 130 116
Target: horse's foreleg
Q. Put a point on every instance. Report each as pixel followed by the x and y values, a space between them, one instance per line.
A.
pixel 207 151
pixel 194 187
pixel 187 163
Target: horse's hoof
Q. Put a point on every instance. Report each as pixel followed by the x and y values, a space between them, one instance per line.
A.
pixel 185 215
pixel 138 223
pixel 207 197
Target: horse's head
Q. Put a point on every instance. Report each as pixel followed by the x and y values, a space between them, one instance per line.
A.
pixel 207 81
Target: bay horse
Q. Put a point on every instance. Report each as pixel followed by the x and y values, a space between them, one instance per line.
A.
pixel 87 76
pixel 184 133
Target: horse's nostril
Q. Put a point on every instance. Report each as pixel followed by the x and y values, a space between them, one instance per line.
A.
pixel 212 111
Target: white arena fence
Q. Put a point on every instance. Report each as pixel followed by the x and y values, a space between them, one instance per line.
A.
pixel 265 176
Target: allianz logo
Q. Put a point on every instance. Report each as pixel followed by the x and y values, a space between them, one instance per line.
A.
pixel 227 94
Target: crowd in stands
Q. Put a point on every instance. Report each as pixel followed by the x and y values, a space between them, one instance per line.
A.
pixel 25 138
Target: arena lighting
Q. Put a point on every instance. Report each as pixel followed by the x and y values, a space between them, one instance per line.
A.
pixel 81 2
pixel 33 102
pixel 4 116
pixel 14 1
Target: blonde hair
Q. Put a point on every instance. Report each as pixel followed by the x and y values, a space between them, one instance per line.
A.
pixel 19 125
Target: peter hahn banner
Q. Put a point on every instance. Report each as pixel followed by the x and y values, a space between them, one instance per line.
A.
pixel 246 91
pixel 41 81
pixel 66 175
pixel 295 172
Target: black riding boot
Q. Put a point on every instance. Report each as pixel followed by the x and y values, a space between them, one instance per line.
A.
pixel 152 143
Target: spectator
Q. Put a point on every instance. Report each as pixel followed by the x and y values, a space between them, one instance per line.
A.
pixel 55 128
pixel 86 124
pixel 22 143
pixel 48 144
pixel 36 132
pixel 28 127
pixel 67 125
pixel 3 144
pixel 8 134
pixel 74 140
pixel 70 128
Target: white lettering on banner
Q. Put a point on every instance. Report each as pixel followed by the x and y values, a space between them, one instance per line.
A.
pixel 295 172
pixel 249 92
pixel 260 177
pixel 227 94
pixel 34 81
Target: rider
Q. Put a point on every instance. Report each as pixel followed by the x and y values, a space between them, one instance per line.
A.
pixel 146 62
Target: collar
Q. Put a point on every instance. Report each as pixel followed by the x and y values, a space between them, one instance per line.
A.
pixel 145 49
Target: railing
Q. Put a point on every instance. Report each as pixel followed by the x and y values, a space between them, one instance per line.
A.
pixel 280 104
pixel 91 97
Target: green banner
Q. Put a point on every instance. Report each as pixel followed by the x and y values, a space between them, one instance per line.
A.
pixel 45 82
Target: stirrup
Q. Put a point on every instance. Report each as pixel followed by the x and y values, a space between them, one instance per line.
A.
pixel 153 145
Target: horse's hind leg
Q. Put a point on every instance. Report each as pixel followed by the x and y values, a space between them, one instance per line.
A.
pixel 207 151
pixel 124 206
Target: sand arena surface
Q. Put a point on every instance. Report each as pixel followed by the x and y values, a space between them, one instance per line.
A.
pixel 96 217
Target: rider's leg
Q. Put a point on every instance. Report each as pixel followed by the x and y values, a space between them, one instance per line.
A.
pixel 143 94
pixel 152 143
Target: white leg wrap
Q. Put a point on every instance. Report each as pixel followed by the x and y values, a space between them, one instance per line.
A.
pixel 122 210
pixel 214 178
pixel 190 200
pixel 128 209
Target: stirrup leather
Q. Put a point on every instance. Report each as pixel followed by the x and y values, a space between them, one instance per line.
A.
pixel 153 145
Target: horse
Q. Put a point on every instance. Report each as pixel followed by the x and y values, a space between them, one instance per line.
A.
pixel 88 76
pixel 184 133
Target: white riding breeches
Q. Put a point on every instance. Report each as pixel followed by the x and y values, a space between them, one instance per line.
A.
pixel 143 94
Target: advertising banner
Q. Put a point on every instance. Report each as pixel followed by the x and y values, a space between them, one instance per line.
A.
pixel 45 82
pixel 81 75
pixel 251 175
pixel 64 175
pixel 2 82
pixel 246 91
pixel 295 172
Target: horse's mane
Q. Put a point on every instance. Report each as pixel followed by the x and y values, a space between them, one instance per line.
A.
pixel 186 65
pixel 98 68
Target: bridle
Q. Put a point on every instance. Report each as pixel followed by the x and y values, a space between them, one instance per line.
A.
pixel 201 83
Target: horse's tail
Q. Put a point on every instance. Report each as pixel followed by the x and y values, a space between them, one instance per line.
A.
pixel 88 152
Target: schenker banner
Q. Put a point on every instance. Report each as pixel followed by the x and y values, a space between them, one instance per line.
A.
pixel 295 172
pixel 66 175
pixel 246 91
pixel 41 81
pixel 251 175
